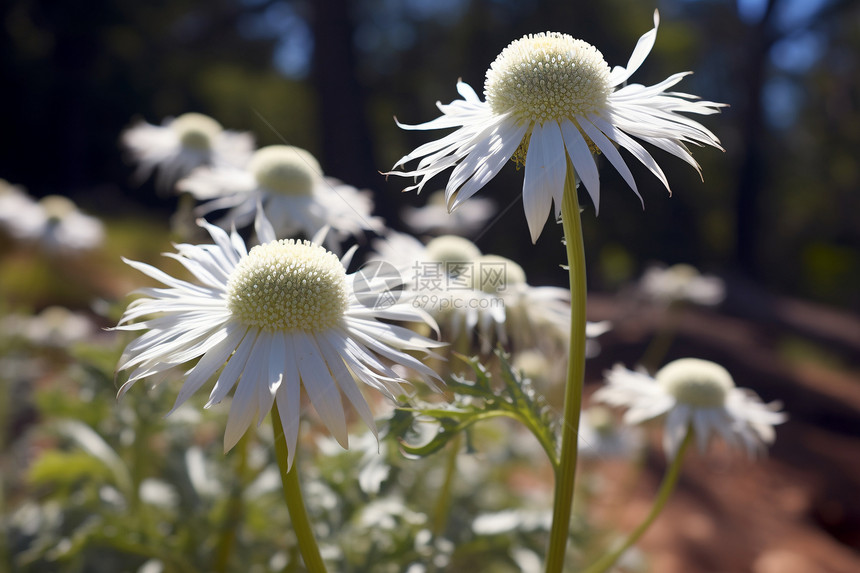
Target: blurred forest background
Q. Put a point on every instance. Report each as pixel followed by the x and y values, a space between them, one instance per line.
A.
pixel 780 207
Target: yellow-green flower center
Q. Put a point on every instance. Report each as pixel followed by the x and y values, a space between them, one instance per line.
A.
pixel 286 170
pixel 196 131
pixel 696 382
pixel 497 274
pixel 288 286
pixel 56 207
pixel 533 365
pixel 547 77
pixel 452 249
pixel 601 420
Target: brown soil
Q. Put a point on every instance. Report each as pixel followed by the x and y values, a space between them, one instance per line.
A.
pixel 798 510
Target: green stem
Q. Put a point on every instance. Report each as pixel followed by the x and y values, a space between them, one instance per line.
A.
pixel 656 351
pixel 666 488
pixel 295 504
pixel 565 477
pixel 443 504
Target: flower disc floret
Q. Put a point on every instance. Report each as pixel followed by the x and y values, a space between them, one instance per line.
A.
pixel 451 249
pixel 698 383
pixel 497 274
pixel 288 286
pixel 56 207
pixel 196 131
pixel 547 77
pixel 286 170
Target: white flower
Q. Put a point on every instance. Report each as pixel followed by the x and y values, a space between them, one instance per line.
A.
pixel 441 277
pixel 682 282
pixel 509 520
pixel 434 217
pixel 297 197
pixel 601 437
pixel 182 144
pixel 55 223
pixel 549 97
pixel 12 199
pixel 388 513
pixel 55 326
pixel 16 205
pixel 695 395
pixel 278 318
pixel 468 293
pixel 535 316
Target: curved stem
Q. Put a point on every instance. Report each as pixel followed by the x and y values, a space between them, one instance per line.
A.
pixel 543 439
pixel 566 472
pixel 443 504
pixel 666 488
pixel 295 504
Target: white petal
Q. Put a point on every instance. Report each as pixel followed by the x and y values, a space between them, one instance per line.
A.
pixel 509 138
pixel 244 407
pixel 272 376
pixel 233 369
pixel 583 161
pixel 610 152
pixel 467 92
pixel 640 52
pixel 320 387
pixel 344 379
pixel 238 243
pixel 222 239
pixel 263 227
pixel 633 147
pixel 677 426
pixel 209 363
pixel 702 429
pixel 164 278
pixel 545 165
pixel 289 397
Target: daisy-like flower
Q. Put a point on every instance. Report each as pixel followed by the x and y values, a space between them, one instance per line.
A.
pixel 279 318
pixel 441 278
pixel 601 437
pixel 12 199
pixel 182 144
pixel 695 395
pixel 55 223
pixel 434 217
pixel 297 197
pixel 468 292
pixel 55 326
pixel 535 316
pixel 548 97
pixel 681 283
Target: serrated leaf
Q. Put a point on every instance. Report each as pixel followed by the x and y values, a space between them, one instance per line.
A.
pixel 514 399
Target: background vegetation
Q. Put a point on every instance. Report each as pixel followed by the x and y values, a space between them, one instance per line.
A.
pixel 780 206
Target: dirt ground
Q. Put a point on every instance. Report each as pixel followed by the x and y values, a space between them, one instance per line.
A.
pixel 796 511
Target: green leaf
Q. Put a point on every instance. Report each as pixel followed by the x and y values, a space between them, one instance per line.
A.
pixel 88 439
pixel 54 467
pixel 474 401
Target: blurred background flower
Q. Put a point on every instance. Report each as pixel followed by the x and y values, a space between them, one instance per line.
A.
pixel 182 144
